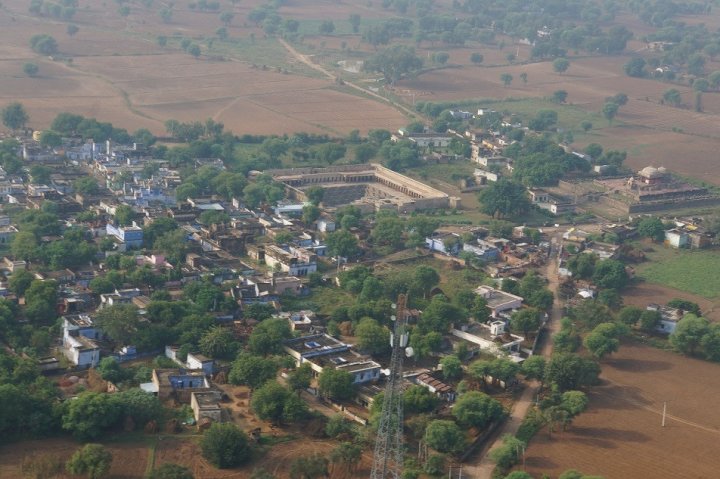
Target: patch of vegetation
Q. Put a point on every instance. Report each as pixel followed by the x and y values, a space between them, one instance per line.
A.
pixel 690 271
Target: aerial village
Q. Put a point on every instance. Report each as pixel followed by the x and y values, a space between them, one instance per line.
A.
pixel 209 289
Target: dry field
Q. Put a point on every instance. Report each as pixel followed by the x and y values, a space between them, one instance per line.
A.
pixel 620 436
pixel 129 460
pixel 119 74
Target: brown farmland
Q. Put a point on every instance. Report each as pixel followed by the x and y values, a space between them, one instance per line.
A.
pixel 119 74
pixel 620 436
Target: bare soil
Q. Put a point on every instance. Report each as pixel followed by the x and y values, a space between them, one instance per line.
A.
pixel 119 74
pixel 621 436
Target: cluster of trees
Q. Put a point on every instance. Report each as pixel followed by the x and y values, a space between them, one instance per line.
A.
pixel 394 62
pixel 695 335
pixel 74 249
pixel 539 161
pixel 63 9
pixel 91 414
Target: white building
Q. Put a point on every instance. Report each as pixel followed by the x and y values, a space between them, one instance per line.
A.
pixel 79 346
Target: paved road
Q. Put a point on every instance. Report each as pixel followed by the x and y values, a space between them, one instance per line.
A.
pixel 483 468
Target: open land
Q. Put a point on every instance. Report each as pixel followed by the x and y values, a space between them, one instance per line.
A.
pixel 621 436
pixel 119 74
pixel 691 271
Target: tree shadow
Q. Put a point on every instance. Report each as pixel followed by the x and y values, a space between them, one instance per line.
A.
pixel 540 463
pixel 604 436
pixel 612 396
pixel 639 365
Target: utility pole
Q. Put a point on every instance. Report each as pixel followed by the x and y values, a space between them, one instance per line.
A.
pixel 388 457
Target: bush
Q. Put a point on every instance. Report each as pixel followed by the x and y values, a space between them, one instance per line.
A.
pixel 225 445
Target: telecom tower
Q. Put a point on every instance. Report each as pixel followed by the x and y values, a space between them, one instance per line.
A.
pixel 388 457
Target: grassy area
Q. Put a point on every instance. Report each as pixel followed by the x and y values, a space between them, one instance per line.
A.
pixel 693 271
pixel 450 172
pixel 569 116
pixel 323 300
pixel 451 280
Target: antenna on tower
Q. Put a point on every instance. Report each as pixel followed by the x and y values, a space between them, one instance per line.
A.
pixel 388 457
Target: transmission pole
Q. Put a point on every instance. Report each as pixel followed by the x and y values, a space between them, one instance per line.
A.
pixel 388 457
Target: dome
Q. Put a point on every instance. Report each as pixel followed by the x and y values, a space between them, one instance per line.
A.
pixel 652 172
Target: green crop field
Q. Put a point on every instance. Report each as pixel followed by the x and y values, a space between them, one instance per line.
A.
pixel 692 271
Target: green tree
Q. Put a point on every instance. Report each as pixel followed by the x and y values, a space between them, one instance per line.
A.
pixel 569 371
pixel 525 320
pixel 326 27
pixel 72 29
pixel 310 213
pixel 225 445
pixel 315 194
pixel 355 20
pixel 394 62
pixel 20 281
pixel 534 368
pixel 372 337
pixel 337 425
pixel 92 460
pixel 609 110
pixel 451 367
pixel 610 273
pixel 418 399
pixel 518 475
pixel 14 116
pixel 476 409
pixel 652 227
pixel 600 344
pixel 506 79
pixel 267 337
pixel 586 125
pixel 170 471
pixel 110 370
pixel 649 320
pixel 43 44
pixel 561 65
pixel 504 198
pixel 476 58
pixel 559 96
pixel 226 18
pixel 90 414
pixel 300 378
pixel 217 342
pixel 630 315
pixel 635 67
pixel 194 50
pixel 688 334
pixel 444 436
pixel 31 69
pixel 274 402
pixel 253 371
pixel 425 278
pixel 124 215
pixel 673 97
pixel 574 402
pixel 120 322
pixel 336 384
pixel 509 453
pixel 86 185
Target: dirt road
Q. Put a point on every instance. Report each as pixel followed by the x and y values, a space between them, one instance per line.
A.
pixel 332 75
pixel 483 468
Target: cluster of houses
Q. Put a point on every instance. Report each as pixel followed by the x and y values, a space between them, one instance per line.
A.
pixel 502 257
pixel 246 250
